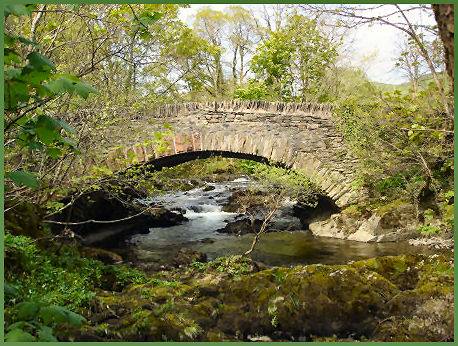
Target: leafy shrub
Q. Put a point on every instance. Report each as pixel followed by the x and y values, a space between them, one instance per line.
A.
pixel 117 277
pixel 232 265
pixel 62 279
pixel 33 321
pixel 428 229
pixel 384 186
pixel 254 90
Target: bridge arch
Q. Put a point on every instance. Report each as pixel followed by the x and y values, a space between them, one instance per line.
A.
pixel 298 136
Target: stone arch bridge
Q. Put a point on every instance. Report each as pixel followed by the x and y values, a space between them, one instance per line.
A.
pixel 301 136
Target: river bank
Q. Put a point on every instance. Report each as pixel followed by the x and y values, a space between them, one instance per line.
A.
pixel 172 269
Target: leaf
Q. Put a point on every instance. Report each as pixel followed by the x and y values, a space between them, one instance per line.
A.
pixel 11 73
pixel 55 315
pixel 83 89
pixel 33 76
pixel 47 129
pixel 66 126
pixel 10 291
pixel 10 57
pixel 45 333
pixel 54 153
pixel 16 93
pixel 8 40
pixel 23 178
pixel 27 311
pixel 61 85
pixel 70 142
pixel 39 61
pixel 26 41
pixel 147 18
pixel 19 10
pixel 16 335
pixel 20 325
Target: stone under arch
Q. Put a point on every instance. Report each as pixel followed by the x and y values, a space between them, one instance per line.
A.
pixel 296 135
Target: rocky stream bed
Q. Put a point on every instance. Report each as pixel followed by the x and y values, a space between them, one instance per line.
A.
pixel 359 280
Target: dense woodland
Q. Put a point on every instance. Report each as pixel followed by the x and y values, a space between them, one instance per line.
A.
pixel 77 77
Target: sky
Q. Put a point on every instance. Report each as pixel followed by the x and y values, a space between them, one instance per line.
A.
pixel 374 48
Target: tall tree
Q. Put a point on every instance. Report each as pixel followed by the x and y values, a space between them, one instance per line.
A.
pixel 211 24
pixel 242 36
pixel 396 16
pixel 445 18
pixel 294 60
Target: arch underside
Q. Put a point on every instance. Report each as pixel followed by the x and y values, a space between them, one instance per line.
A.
pixel 177 159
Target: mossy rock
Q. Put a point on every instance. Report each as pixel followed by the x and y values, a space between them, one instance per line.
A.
pixel 383 299
pixel 25 219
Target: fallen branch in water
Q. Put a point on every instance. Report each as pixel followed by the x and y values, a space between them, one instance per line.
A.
pixel 98 221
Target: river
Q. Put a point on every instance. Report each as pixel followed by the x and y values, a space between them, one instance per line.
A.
pixel 203 208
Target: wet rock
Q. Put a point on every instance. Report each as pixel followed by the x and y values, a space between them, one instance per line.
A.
pixel 309 212
pixel 433 242
pixel 286 222
pixel 241 227
pixel 208 188
pixel 102 255
pixel 195 208
pixel 187 256
pixel 102 205
pixel 233 204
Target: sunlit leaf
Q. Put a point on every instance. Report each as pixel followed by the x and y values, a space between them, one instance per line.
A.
pixel 16 335
pixel 83 89
pixel 23 178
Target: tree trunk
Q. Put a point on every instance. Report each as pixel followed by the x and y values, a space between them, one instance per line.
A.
pixel 444 14
pixel 234 66
pixel 242 57
pixel 36 20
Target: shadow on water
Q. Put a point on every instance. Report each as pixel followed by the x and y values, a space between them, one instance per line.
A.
pixel 289 248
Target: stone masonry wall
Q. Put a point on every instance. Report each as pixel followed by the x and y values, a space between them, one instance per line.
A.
pixel 301 136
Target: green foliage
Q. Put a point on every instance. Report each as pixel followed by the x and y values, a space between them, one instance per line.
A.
pixel 19 9
pixel 428 230
pixel 232 265
pixel 124 275
pixel 446 207
pixel 63 279
pixel 254 90
pixel 294 182
pixel 401 141
pixel 294 60
pixel 43 133
pixel 34 321
pixel 31 80
pixel 23 178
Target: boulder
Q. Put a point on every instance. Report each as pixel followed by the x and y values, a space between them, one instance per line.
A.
pixel 393 298
pixel 187 256
pixel 102 205
pixel 102 255
pixel 394 224
pixel 24 219
pixel 240 227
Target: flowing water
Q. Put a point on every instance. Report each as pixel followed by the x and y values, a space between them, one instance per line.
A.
pixel 203 209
